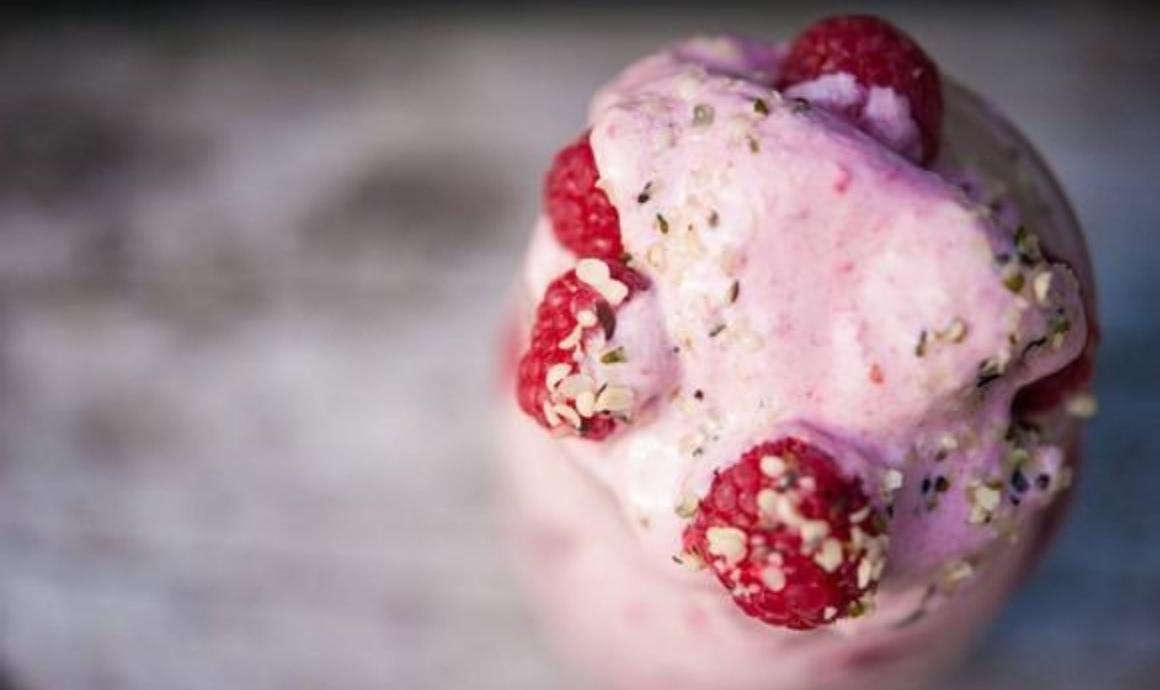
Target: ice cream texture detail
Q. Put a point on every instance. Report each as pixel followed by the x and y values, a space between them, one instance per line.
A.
pixel 792 285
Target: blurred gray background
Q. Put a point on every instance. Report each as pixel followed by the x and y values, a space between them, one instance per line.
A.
pixel 251 266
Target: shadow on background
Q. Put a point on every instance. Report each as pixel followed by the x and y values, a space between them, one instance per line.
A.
pixel 7 681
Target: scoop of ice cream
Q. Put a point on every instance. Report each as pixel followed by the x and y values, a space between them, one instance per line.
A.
pixel 804 278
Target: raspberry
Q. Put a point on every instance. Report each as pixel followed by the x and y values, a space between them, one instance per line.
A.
pixel 576 317
pixel 875 53
pixel 1051 391
pixel 583 218
pixel 795 542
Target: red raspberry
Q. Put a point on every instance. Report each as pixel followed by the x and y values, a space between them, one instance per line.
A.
pixel 795 543
pixel 1051 391
pixel 583 218
pixel 876 53
pixel 577 314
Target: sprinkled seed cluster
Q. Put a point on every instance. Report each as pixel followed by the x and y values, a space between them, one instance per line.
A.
pixel 955 574
pixel 892 480
pixel 680 228
pixel 795 543
pixel 1026 273
pixel 953 333
pixel 947 444
pixel 1019 476
pixel 596 274
pixel 984 501
pixel 933 488
pixel 574 396
pixel 574 326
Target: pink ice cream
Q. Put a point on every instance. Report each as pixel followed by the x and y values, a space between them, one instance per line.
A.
pixel 806 280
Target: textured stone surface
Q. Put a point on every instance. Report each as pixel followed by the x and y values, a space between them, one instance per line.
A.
pixel 249 277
